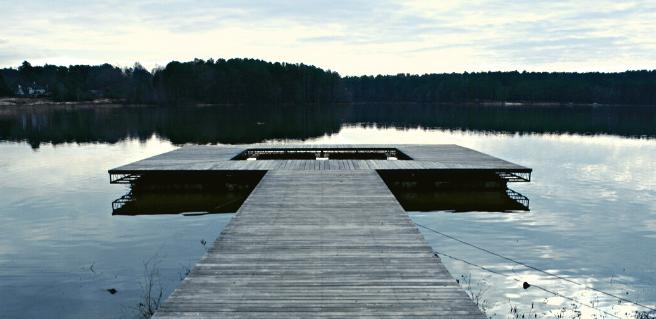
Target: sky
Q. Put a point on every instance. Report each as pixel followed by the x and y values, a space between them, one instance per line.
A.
pixel 350 37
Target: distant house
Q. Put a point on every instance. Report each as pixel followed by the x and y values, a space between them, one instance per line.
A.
pixel 97 94
pixel 31 90
pixel 36 89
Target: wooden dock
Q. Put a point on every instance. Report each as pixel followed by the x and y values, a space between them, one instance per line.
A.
pixel 219 158
pixel 320 239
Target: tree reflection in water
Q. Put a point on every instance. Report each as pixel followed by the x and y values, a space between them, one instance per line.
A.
pixel 253 124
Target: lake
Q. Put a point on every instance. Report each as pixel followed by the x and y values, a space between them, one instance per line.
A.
pixel 592 218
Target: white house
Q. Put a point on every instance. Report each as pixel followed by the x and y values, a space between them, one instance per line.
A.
pixel 33 90
pixel 36 89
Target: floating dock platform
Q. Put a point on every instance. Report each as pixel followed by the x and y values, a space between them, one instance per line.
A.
pixel 424 158
pixel 321 235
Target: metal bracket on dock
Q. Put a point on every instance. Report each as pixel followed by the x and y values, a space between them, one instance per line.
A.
pixel 523 200
pixel 123 178
pixel 515 176
pixel 122 201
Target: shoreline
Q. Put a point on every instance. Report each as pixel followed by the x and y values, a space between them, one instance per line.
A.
pixel 27 102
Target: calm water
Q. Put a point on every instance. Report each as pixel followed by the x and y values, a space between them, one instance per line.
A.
pixel 592 218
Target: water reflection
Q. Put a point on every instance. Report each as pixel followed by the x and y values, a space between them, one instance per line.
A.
pixel 187 193
pixel 187 204
pixel 457 192
pixel 194 204
pixel 592 217
pixel 252 124
pixel 463 201
pixel 193 193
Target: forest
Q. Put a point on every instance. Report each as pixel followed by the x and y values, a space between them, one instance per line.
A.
pixel 251 81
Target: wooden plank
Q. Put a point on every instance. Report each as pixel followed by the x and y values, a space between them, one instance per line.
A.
pixel 276 164
pixel 372 164
pixel 273 164
pixel 364 164
pixel 319 244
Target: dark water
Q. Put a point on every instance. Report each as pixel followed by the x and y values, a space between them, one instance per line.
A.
pixel 592 217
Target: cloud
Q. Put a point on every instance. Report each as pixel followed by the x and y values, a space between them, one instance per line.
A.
pixel 325 39
pixel 440 47
pixel 563 45
pixel 435 36
pixel 17 54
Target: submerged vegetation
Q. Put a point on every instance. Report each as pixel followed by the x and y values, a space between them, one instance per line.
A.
pixel 151 291
pixel 251 81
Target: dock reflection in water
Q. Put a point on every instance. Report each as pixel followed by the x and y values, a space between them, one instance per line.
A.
pixel 187 193
pixel 460 201
pixel 227 198
pixel 188 204
pixel 454 191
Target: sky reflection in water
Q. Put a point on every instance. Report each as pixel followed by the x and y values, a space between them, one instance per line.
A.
pixel 592 219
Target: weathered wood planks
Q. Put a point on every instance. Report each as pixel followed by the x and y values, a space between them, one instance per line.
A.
pixel 217 158
pixel 319 244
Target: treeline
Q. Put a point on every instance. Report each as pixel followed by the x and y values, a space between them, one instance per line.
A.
pixel 249 81
pixel 75 82
pixel 630 87
pixel 238 81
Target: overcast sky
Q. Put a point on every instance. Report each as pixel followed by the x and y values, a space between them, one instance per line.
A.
pixel 350 37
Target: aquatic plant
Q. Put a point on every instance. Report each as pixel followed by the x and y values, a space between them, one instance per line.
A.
pixel 152 291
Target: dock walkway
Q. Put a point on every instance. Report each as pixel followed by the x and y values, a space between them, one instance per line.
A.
pixel 321 235
pixel 320 244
